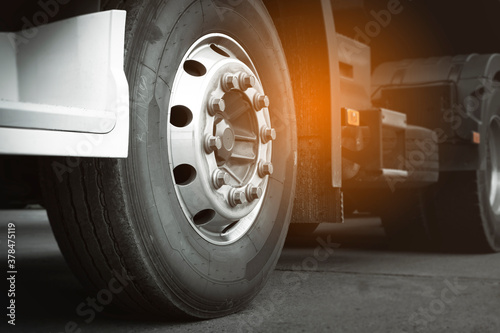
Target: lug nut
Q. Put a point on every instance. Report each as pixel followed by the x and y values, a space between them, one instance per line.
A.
pixel 229 81
pixel 220 178
pixel 265 169
pixel 236 198
pixel 254 192
pixel 216 105
pixel 268 134
pixel 212 143
pixel 261 101
pixel 247 81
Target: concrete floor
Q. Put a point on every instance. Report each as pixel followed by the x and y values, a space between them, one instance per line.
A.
pixel 362 286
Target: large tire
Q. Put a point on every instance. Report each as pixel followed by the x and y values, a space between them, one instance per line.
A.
pixel 129 216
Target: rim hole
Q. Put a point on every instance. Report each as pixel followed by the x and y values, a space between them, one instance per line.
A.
pixel 180 116
pixel 226 229
pixel 194 68
pixel 220 51
pixel 184 174
pixel 204 217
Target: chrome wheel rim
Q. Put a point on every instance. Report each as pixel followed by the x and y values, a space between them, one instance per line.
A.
pixel 219 139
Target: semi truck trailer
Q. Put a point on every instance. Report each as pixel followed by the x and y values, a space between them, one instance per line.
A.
pixel 174 143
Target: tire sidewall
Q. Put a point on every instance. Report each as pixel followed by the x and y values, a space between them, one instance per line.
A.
pixel 490 219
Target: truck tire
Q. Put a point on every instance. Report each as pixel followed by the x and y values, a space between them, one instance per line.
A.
pixel 194 220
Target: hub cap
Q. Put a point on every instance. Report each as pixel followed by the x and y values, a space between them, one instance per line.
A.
pixel 220 139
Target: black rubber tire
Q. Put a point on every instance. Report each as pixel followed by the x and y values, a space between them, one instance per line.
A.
pixel 122 216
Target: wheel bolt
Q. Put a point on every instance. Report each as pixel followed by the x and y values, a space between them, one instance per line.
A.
pixel 247 81
pixel 237 198
pixel 220 178
pixel 265 169
pixel 216 105
pixel 261 101
pixel 268 134
pixel 229 81
pixel 254 192
pixel 212 143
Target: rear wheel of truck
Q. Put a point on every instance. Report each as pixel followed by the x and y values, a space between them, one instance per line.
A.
pixel 194 220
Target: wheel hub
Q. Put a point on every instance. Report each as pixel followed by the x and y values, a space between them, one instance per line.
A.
pixel 225 132
pixel 220 155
